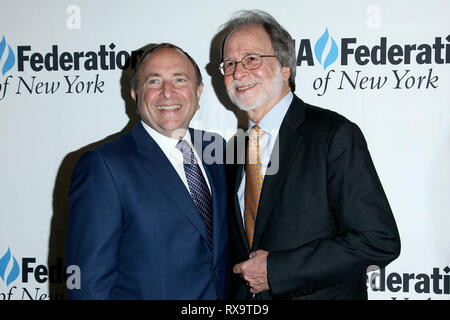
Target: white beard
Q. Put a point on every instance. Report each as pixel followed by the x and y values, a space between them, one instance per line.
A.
pixel 275 85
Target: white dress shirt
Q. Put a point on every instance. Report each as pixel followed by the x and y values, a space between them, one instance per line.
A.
pixel 271 124
pixel 168 146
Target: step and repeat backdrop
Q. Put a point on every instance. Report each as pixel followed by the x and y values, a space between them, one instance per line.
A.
pixel 64 88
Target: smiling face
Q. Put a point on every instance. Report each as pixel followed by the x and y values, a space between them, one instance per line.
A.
pixel 255 91
pixel 167 95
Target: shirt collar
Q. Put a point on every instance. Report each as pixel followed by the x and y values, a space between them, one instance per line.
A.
pixel 163 141
pixel 273 119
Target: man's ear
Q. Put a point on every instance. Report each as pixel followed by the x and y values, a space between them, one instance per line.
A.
pixel 135 98
pixel 286 72
pixel 199 93
pixel 199 90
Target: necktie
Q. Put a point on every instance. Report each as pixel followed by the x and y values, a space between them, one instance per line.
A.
pixel 198 188
pixel 253 181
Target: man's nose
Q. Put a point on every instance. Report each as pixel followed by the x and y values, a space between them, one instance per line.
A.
pixel 166 90
pixel 239 71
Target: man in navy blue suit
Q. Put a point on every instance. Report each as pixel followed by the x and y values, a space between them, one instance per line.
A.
pixel 148 209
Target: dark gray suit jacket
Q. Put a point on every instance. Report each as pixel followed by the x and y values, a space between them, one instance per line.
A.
pixel 323 217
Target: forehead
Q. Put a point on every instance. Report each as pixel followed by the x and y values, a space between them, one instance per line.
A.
pixel 167 61
pixel 248 39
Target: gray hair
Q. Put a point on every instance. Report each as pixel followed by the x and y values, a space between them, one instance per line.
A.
pixel 153 49
pixel 281 40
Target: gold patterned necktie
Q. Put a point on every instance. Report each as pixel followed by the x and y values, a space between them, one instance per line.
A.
pixel 253 181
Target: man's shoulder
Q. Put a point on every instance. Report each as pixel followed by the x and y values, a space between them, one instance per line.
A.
pixel 119 143
pixel 324 115
pixel 332 125
pixel 113 147
pixel 322 119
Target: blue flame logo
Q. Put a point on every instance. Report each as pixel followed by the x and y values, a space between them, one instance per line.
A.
pixel 319 48
pixel 10 59
pixel 14 273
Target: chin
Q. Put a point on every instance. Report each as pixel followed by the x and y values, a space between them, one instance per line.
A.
pixel 247 106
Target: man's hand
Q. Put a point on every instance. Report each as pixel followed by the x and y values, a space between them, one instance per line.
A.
pixel 254 271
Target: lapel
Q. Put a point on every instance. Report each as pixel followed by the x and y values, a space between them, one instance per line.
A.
pixel 239 163
pixel 200 144
pixel 288 140
pixel 157 165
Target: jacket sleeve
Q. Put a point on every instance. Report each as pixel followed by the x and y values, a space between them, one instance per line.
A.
pixel 366 230
pixel 94 227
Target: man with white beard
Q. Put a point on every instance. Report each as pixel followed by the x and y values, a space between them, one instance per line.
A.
pixel 311 227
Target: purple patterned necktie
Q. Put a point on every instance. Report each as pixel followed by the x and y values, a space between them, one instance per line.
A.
pixel 197 186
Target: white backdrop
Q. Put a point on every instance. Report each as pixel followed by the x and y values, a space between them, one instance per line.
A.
pixel 48 118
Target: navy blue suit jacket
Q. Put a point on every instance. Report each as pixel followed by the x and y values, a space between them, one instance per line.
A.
pixel 134 230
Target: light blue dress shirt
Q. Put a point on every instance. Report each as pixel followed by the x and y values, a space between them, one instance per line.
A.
pixel 271 124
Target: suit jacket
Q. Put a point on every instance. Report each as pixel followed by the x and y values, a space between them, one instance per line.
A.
pixel 323 217
pixel 133 227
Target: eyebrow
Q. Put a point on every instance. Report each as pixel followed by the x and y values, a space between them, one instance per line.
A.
pixel 245 54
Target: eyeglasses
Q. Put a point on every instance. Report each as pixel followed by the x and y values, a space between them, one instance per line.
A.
pixel 249 62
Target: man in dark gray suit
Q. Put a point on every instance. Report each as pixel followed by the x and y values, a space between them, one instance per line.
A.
pixel 308 214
